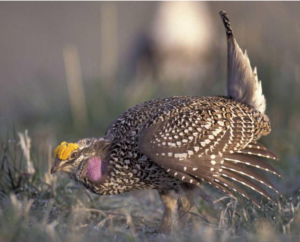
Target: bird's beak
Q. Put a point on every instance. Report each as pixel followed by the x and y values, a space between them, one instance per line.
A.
pixel 56 166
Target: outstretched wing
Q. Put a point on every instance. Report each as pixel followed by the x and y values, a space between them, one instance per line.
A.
pixel 216 146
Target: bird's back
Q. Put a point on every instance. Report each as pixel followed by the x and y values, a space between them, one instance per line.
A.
pixel 153 111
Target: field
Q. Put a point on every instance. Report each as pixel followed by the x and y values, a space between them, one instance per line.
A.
pixel 41 109
pixel 37 206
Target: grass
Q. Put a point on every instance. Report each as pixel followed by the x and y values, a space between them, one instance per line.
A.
pixel 37 206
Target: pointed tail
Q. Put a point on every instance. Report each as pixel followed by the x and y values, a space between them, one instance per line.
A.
pixel 242 82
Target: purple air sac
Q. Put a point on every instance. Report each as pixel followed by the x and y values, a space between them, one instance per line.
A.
pixel 95 170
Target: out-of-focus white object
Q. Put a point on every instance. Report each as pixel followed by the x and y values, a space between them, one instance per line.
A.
pixel 181 34
pixel 182 25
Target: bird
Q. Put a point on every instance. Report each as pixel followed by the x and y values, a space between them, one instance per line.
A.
pixel 176 144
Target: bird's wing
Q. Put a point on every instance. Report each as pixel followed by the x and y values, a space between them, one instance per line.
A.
pixel 209 145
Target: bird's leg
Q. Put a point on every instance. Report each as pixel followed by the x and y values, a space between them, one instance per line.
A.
pixel 169 200
pixel 185 204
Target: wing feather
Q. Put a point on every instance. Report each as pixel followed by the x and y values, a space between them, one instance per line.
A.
pixel 198 147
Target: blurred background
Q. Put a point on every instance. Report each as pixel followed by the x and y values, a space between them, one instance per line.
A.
pixel 68 69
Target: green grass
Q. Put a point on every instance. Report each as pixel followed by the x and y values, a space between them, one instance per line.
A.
pixel 41 207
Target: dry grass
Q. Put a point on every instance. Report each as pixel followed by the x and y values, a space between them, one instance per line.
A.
pixel 37 206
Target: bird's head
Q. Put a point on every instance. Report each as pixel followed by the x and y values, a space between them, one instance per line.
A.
pixel 84 158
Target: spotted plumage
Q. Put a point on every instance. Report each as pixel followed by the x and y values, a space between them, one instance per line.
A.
pixel 176 144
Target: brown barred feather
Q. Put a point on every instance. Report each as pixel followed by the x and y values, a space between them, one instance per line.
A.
pixel 258 152
pixel 183 176
pixel 246 182
pixel 238 168
pixel 255 145
pixel 252 161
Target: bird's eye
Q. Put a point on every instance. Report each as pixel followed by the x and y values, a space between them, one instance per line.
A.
pixel 74 155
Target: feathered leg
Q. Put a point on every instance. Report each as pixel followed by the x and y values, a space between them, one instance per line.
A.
pixel 185 204
pixel 169 200
pixel 186 201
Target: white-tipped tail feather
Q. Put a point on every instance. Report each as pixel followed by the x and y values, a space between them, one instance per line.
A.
pixel 242 82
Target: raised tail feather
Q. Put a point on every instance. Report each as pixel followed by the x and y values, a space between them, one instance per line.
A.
pixel 242 82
